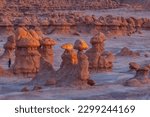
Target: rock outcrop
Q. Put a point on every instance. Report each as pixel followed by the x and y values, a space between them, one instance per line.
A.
pixel 27 56
pixel 46 5
pixel 98 59
pixel 46 74
pixel 46 49
pixel 74 68
pixel 127 52
pixel 141 78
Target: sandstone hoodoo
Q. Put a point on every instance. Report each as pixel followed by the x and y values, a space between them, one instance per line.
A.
pixel 27 60
pixel 67 74
pixel 83 63
pixel 9 47
pixel 74 68
pixel 46 49
pixel 46 74
pixel 142 77
pixel 98 59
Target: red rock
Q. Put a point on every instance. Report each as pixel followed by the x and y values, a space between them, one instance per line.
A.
pixel 25 89
pixel 134 66
pixel 37 88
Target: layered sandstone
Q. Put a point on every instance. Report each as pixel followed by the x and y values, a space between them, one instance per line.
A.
pixel 46 49
pixel 27 56
pixel 98 59
pixel 46 74
pixel 74 68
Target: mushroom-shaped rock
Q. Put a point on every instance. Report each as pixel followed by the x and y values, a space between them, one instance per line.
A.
pixel 142 77
pixel 67 46
pixel 98 38
pixel 83 63
pixel 9 47
pixel 98 59
pixel 46 49
pixel 48 41
pixel 80 45
pixel 98 42
pixel 27 60
pixel 67 74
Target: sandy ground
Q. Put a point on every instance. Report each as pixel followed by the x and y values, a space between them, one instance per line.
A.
pixel 108 84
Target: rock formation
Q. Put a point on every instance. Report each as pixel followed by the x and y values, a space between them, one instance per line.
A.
pixel 98 59
pixel 72 22
pixel 83 63
pixel 134 66
pixel 9 47
pixel 67 74
pixel 142 76
pixel 37 5
pixel 27 56
pixel 62 27
pixel 46 49
pixel 46 74
pixel 74 68
pixel 127 52
pixel 6 26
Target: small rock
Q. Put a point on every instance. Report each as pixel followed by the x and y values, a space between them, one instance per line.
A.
pixel 37 88
pixel 134 66
pixel 91 82
pixel 25 89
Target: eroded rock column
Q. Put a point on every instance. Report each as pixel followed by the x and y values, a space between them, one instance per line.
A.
pixel 98 58
pixel 46 49
pixel 27 60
